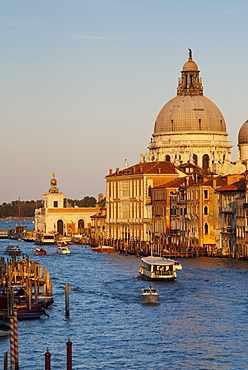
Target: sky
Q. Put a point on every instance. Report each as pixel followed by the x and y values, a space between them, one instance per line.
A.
pixel 82 82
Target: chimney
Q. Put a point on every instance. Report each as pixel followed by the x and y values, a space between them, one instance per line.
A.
pixel 110 172
pixel 117 171
pixel 159 170
pixel 126 163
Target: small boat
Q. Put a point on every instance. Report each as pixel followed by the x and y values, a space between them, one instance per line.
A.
pixel 4 329
pixel 62 244
pixel 63 250
pixel 159 268
pixel 40 251
pixel 24 309
pixel 150 295
pixel 13 249
pixel 102 248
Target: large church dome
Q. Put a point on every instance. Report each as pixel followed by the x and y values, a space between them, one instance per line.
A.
pixel 190 128
pixel 189 113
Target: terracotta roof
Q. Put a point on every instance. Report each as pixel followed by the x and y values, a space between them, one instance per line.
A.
pixel 146 168
pixel 172 184
pixel 236 186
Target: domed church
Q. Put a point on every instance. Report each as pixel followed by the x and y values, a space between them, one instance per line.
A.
pixel 190 128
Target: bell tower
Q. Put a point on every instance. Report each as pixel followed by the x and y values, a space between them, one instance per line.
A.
pixel 53 199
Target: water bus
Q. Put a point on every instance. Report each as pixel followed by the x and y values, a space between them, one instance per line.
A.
pixel 159 268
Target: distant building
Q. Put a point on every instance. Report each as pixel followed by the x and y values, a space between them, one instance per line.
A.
pixel 55 218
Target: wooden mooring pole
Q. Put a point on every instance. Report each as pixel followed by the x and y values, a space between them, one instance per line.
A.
pixel 67 305
pixel 5 364
pixel 69 354
pixel 47 360
pixel 13 341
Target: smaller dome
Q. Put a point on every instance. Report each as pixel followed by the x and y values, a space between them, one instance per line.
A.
pixel 243 134
pixel 190 65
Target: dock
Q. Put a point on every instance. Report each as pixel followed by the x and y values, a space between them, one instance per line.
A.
pixel 27 280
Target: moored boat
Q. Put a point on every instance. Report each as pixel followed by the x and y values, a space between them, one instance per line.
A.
pixel 13 249
pixel 158 268
pixel 150 295
pixel 25 309
pixel 102 248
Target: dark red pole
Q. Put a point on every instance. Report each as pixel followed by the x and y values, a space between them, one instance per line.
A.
pixel 47 360
pixel 69 354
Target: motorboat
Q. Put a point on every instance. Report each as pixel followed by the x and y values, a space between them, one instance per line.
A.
pixel 40 251
pixel 63 250
pixel 13 249
pixel 159 268
pixel 62 244
pixel 150 295
pixel 102 248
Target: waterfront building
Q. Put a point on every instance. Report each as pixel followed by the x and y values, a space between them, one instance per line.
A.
pixel 128 199
pixel 98 224
pixel 55 218
pixel 231 219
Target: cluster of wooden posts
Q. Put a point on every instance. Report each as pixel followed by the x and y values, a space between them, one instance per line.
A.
pixel 21 272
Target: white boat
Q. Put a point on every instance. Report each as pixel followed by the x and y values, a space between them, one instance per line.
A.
pixel 150 295
pixel 159 268
pixel 13 249
pixel 63 250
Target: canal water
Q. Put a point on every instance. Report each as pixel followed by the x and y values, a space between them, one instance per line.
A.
pixel 200 321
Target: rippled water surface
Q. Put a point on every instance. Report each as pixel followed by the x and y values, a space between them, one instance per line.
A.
pixel 200 321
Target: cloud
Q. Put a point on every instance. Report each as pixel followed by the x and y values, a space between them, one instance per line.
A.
pixel 87 37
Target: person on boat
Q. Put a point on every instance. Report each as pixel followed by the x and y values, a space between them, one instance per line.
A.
pixel 150 287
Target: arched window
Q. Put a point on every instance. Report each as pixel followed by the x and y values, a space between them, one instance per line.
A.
pixel 167 158
pixel 195 159
pixel 206 229
pixel 81 224
pixel 205 210
pixel 205 162
pixel 60 227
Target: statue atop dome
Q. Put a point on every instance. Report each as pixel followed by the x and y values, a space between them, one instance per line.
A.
pixel 190 54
